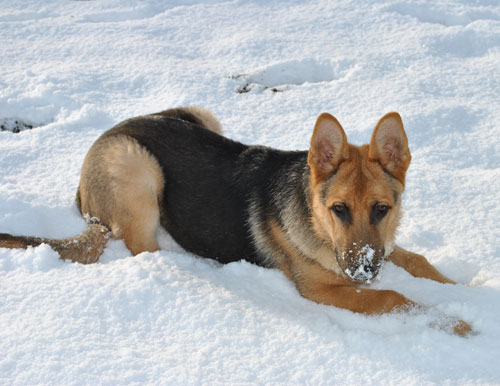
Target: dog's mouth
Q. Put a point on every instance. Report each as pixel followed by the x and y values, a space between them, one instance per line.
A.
pixel 361 264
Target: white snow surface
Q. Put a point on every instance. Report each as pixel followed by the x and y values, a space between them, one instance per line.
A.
pixel 73 69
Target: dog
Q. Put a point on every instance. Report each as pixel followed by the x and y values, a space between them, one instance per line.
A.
pixel 325 217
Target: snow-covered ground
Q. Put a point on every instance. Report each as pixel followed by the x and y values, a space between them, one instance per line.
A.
pixel 72 69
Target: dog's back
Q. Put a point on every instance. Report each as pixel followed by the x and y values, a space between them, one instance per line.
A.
pixel 206 190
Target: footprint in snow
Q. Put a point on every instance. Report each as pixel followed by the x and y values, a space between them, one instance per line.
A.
pixel 281 76
pixel 443 14
pixel 464 43
pixel 471 34
pixel 15 125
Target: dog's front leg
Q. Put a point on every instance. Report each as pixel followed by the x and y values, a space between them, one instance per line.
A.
pixel 417 265
pixel 361 300
pixel 372 302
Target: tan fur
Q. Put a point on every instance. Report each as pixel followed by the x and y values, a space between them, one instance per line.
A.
pixel 84 248
pixel 359 183
pixel 389 146
pixel 328 287
pixel 126 183
pixel 328 147
pixel 359 178
pixel 417 265
pixel 206 117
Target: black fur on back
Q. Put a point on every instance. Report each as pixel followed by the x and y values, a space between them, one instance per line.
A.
pixel 211 182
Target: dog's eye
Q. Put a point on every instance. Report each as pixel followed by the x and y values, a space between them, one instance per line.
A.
pixel 342 212
pixel 339 209
pixel 382 209
pixel 379 211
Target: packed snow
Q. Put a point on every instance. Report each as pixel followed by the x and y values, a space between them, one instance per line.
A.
pixel 69 70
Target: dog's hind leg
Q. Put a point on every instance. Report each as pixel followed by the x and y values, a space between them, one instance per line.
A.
pixel 138 219
pixel 121 184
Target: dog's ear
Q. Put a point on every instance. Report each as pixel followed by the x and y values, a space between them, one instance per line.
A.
pixel 389 146
pixel 328 147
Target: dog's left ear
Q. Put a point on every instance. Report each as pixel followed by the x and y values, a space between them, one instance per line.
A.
pixel 389 146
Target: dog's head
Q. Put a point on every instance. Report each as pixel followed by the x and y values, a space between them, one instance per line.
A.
pixel 356 193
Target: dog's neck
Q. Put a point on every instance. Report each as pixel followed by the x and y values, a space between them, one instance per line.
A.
pixel 294 211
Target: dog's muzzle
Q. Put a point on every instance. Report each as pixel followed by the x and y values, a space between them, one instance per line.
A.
pixel 361 264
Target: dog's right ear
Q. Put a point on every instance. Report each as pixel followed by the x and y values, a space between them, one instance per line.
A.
pixel 328 147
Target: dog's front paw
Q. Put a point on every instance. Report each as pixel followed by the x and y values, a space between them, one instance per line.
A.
pixel 454 326
pixel 462 328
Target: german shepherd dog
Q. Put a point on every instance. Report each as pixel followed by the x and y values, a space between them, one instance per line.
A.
pixel 326 217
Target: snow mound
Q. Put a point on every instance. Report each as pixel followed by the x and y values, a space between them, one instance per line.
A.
pixel 443 13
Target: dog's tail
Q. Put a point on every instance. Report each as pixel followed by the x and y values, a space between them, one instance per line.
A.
pixel 195 114
pixel 84 248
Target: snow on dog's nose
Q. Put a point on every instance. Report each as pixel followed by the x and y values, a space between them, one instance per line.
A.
pixel 361 264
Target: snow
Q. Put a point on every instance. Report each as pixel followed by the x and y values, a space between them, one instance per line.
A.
pixel 282 75
pixel 366 270
pixel 72 69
